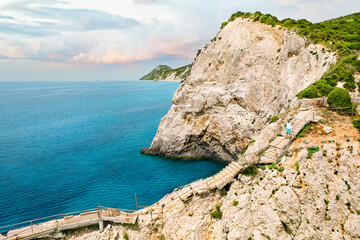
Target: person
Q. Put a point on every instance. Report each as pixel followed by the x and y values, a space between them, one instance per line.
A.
pixel 288 129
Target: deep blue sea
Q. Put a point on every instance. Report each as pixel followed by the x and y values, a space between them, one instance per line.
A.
pixel 70 146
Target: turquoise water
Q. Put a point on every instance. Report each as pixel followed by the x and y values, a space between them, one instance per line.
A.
pixel 69 146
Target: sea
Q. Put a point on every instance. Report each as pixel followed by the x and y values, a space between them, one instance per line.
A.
pixel 71 146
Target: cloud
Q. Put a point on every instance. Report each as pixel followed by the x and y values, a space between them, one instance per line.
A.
pixel 5 17
pixel 155 47
pixel 11 51
pixel 35 47
pixel 145 1
pixel 55 20
pixel 55 56
pixel 130 31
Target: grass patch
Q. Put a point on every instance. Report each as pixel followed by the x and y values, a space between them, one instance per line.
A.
pixel 312 150
pixel 250 171
pixel 306 129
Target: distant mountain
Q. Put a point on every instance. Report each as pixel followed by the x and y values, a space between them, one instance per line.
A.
pixel 166 73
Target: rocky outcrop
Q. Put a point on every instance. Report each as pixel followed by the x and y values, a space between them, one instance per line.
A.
pixel 311 197
pixel 166 73
pixel 237 83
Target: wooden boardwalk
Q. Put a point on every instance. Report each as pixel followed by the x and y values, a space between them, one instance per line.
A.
pixel 277 147
pixel 173 202
pixel 86 218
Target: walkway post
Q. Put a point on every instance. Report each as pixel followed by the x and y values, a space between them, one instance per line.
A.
pixel 137 212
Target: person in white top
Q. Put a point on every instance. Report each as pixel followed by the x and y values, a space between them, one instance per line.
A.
pixel 288 129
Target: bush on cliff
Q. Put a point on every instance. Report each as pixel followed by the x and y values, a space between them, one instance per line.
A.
pixel 323 87
pixel 339 98
pixel 356 124
pixel 309 92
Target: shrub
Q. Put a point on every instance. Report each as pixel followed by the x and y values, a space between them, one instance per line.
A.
pixel 281 169
pixel 309 92
pixel 235 203
pixel 356 124
pixel 217 214
pixel 126 236
pixel 323 87
pixel 312 150
pixel 250 171
pixel 332 79
pixel 274 119
pixel 297 165
pixel 339 98
pixel 350 86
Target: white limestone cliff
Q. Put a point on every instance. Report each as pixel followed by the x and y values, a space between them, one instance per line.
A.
pixel 237 83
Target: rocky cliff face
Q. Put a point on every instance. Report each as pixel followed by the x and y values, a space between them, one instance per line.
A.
pixel 237 83
pixel 166 73
pixel 313 195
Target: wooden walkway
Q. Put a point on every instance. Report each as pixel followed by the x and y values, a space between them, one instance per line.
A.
pixel 85 218
pixel 277 147
pixel 171 203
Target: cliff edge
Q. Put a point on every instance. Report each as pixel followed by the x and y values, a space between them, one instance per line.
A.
pixel 246 75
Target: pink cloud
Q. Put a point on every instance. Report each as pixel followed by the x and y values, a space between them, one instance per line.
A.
pixel 55 56
pixel 35 47
pixel 12 51
pixel 154 48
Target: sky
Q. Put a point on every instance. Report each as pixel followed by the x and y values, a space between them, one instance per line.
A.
pixel 111 40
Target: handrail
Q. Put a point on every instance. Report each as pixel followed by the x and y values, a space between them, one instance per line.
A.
pixel 56 217
pixel 39 221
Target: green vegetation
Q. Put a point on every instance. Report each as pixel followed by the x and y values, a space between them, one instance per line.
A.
pixel 273 166
pixel 324 152
pixel 312 150
pixel 286 228
pixel 245 148
pixel 339 98
pixel 347 184
pixel 356 124
pixel 126 236
pixel 341 35
pixel 306 129
pixel 250 171
pixel 274 119
pixel 297 165
pixel 217 214
pixel 235 203
pixel 161 72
